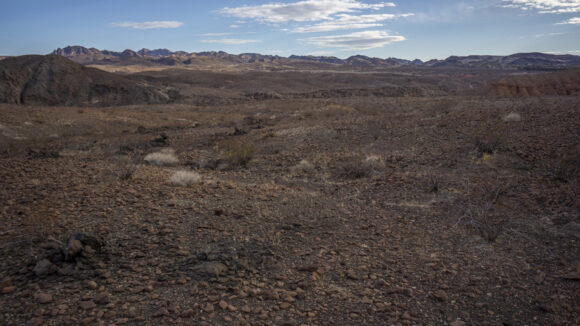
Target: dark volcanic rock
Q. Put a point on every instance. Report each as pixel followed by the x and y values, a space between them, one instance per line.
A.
pixel 55 80
pixel 44 268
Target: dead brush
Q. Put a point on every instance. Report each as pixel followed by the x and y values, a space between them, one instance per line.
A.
pixel 356 167
pixel 565 167
pixel 489 138
pixel 433 182
pixel 124 167
pixel 479 208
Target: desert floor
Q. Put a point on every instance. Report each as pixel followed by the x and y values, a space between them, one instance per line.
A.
pixel 342 211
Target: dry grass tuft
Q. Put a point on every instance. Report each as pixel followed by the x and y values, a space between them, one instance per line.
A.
pixel 162 158
pixel 303 167
pixel 513 117
pixel 185 178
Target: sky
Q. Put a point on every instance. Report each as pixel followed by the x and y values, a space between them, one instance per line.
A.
pixel 407 29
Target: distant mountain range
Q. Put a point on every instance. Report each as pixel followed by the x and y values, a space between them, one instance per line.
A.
pixel 164 57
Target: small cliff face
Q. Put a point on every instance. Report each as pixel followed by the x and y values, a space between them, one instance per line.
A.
pixel 556 83
pixel 55 80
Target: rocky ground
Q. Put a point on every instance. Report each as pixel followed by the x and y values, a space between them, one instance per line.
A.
pixel 351 211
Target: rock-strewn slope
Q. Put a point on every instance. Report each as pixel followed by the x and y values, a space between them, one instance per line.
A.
pixel 55 80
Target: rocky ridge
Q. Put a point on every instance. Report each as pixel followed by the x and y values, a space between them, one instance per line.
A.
pixel 54 80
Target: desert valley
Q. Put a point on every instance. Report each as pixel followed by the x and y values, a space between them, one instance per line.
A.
pixel 155 187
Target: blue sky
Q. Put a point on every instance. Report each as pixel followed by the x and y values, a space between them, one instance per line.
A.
pixel 409 29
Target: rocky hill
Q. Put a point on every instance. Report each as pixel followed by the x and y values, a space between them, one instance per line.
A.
pixel 556 83
pixel 55 80
pixel 528 61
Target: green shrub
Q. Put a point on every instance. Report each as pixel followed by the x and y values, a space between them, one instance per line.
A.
pixel 236 152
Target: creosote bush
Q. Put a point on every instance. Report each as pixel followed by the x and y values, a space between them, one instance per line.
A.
pixel 185 178
pixel 357 168
pixel 489 138
pixel 236 152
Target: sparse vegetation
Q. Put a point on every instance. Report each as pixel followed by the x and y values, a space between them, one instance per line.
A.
pixel 269 134
pixel 330 222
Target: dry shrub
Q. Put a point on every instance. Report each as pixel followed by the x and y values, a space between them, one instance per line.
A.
pixel 162 158
pixel 124 167
pixel 269 134
pixel 357 168
pixel 489 138
pixel 185 178
pixel 375 162
pixel 513 117
pixel 236 152
pixel 303 167
pixel 564 171
pixel 565 167
pixel 479 208
pixel 433 182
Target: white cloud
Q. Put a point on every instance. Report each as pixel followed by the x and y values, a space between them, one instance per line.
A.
pixel 356 41
pixel 149 25
pixel 334 27
pixel 231 41
pixel 320 53
pixel 549 34
pixel 571 21
pixel 545 6
pixel 301 11
pixel 215 34
pixel 346 21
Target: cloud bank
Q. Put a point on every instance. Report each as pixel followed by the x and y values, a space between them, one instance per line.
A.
pixel 545 6
pixel 302 11
pixel 346 21
pixel 323 16
pixel 355 41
